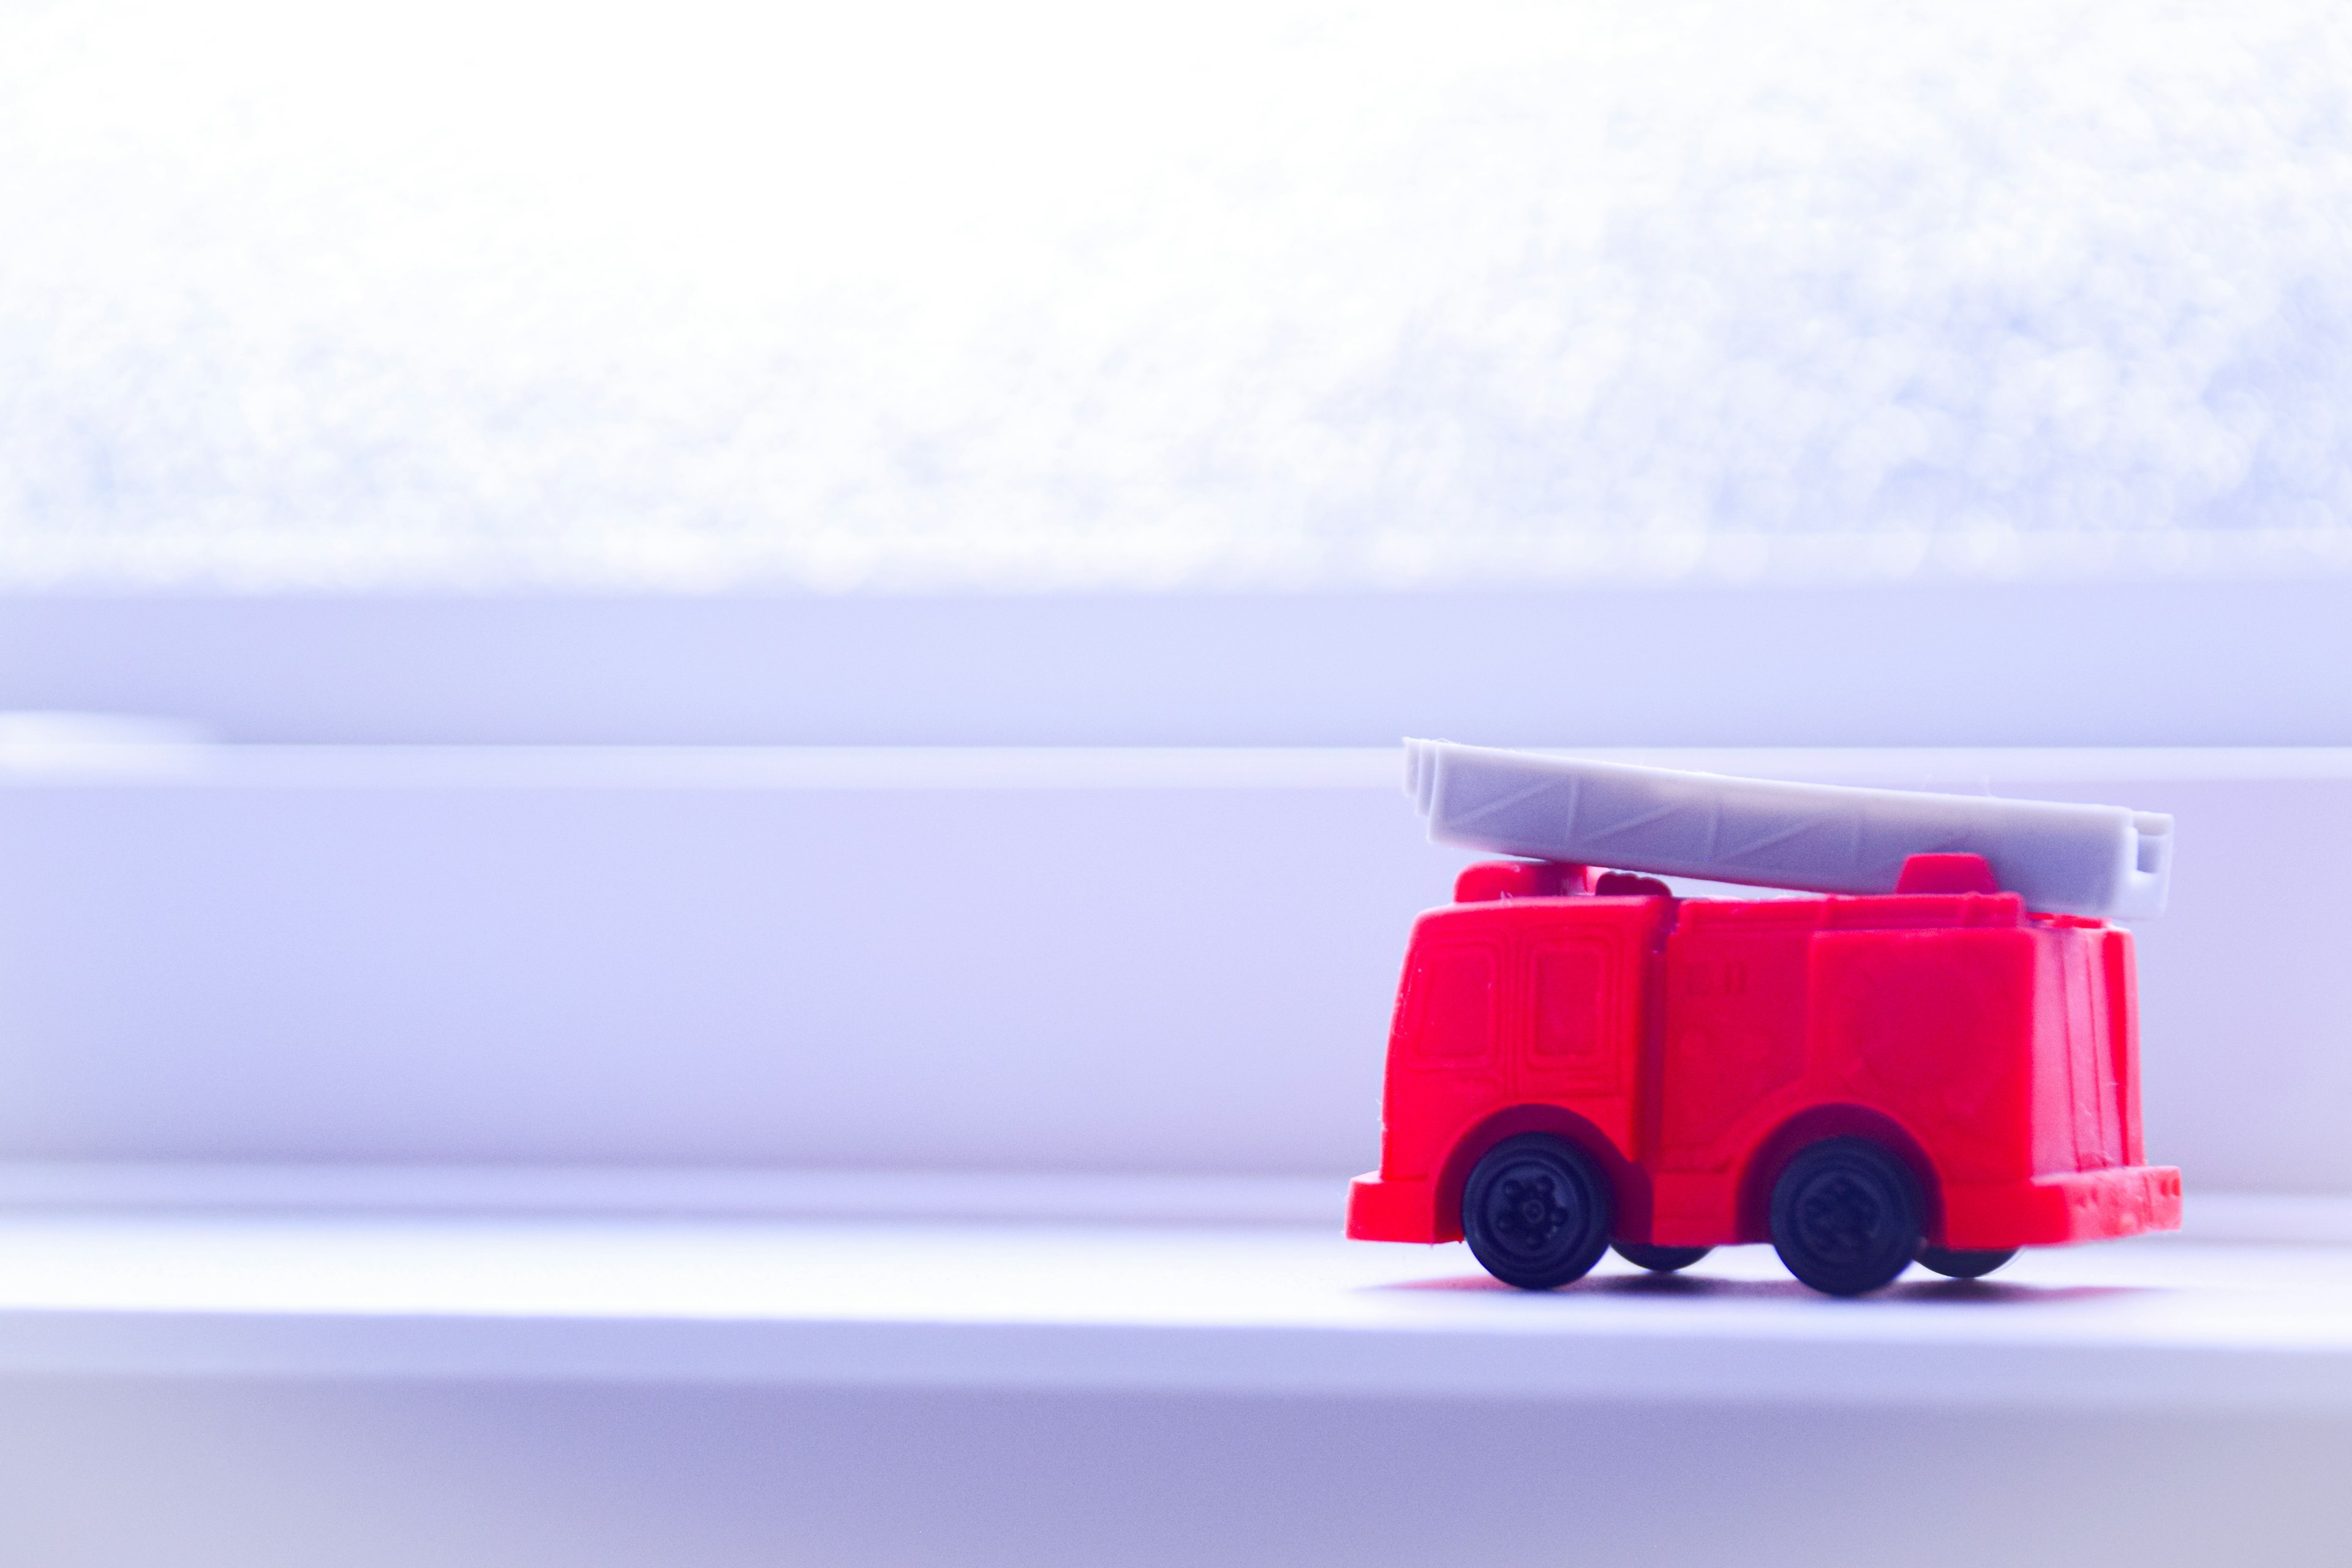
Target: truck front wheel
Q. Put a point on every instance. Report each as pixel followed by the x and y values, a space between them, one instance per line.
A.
pixel 1845 1216
pixel 1536 1212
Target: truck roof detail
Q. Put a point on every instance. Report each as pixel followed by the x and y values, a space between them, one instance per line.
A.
pixel 1936 1059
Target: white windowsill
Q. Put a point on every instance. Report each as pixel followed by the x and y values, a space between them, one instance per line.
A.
pixel 2160 1324
pixel 954 1198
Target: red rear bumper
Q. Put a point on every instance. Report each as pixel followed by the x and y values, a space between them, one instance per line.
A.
pixel 2090 1205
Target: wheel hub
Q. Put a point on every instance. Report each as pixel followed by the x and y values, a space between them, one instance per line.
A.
pixel 1531 1212
pixel 1842 1217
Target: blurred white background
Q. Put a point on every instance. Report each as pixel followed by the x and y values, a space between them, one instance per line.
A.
pixel 1284 294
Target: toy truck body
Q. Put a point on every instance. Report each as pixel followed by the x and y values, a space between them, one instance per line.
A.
pixel 1935 1070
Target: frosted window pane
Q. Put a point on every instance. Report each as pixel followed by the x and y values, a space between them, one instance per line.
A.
pixel 1256 294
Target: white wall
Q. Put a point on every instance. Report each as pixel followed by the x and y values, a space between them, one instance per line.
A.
pixel 715 945
pixel 2049 664
pixel 1112 960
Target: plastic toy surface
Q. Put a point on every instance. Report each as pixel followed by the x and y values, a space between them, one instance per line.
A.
pixel 1937 1062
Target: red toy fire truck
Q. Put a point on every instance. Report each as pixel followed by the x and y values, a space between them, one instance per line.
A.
pixel 1936 1059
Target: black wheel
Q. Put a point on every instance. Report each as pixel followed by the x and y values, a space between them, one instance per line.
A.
pixel 1845 1216
pixel 1659 1259
pixel 1536 1212
pixel 1963 1265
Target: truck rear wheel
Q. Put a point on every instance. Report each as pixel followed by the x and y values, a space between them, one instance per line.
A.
pixel 1659 1259
pixel 1963 1265
pixel 1845 1216
pixel 1536 1212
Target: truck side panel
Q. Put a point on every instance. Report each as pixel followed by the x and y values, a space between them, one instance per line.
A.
pixel 1936 1029
pixel 1877 1005
pixel 1735 995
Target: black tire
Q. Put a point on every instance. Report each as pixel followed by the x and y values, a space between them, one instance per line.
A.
pixel 1845 1216
pixel 1963 1265
pixel 1659 1259
pixel 1536 1212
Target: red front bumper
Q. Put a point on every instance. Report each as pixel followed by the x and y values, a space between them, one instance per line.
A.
pixel 1395 1211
